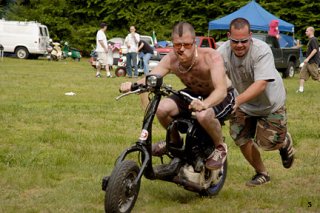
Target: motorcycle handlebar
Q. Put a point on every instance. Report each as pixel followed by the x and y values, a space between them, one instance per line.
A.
pixel 140 88
pixel 135 89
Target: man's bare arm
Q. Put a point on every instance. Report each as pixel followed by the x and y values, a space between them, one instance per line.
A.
pixel 218 77
pixel 251 92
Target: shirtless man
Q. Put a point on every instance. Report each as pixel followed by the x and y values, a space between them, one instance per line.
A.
pixel 201 70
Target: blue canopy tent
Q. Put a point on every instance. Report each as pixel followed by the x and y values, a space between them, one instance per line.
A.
pixel 258 17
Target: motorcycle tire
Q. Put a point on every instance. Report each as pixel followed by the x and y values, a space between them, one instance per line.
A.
pixel 215 187
pixel 121 194
pixel 120 72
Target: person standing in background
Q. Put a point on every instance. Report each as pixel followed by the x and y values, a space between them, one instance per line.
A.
pixel 146 52
pixel 311 63
pixel 102 51
pixel 132 41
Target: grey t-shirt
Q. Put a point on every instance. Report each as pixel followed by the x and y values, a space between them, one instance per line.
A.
pixel 257 64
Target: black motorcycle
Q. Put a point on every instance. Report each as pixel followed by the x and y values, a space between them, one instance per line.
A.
pixel 187 163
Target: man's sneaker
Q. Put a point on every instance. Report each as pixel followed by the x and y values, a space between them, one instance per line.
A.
pixel 109 76
pixel 299 91
pixel 258 179
pixel 98 76
pixel 216 159
pixel 159 148
pixel 287 153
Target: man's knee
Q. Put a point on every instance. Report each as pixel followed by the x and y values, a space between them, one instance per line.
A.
pixel 166 108
pixel 162 111
pixel 206 116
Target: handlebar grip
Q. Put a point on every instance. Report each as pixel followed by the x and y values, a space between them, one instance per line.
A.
pixel 134 86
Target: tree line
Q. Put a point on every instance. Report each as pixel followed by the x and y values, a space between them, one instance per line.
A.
pixel 77 21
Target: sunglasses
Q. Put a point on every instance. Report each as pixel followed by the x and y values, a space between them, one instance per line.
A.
pixel 242 41
pixel 185 45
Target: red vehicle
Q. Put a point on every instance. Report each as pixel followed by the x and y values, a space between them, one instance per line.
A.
pixel 163 50
pixel 201 41
pixel 205 41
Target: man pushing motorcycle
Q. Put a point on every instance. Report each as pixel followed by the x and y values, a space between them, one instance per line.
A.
pixel 202 71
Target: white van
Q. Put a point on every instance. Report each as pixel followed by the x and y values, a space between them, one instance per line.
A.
pixel 24 38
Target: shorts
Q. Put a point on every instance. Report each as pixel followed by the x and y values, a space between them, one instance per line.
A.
pixel 104 59
pixel 222 110
pixel 267 131
pixel 308 70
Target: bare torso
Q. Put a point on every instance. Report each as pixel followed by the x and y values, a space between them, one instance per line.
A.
pixel 199 78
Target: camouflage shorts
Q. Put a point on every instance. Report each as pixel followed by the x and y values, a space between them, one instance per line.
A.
pixel 267 131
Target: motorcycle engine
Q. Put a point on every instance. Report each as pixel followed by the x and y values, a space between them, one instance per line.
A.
pixel 205 178
pixel 187 172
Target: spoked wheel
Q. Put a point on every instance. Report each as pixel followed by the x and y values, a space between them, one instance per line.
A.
pixel 121 192
pixel 217 179
pixel 121 72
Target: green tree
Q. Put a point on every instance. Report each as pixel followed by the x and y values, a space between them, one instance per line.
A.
pixel 77 21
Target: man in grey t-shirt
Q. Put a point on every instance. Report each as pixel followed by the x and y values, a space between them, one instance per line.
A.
pixel 259 117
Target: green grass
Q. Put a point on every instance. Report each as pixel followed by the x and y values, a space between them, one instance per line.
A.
pixel 54 149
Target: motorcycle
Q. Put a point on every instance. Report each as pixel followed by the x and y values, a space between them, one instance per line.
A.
pixel 54 51
pixel 121 70
pixel 71 52
pixel 186 165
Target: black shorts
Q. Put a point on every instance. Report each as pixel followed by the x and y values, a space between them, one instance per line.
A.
pixel 222 110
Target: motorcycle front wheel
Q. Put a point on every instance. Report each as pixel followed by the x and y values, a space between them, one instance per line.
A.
pixel 121 192
pixel 217 182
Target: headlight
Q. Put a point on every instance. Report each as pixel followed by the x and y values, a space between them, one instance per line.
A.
pixel 154 81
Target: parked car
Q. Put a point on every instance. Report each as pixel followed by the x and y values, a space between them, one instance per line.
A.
pixel 25 39
pixel 201 41
pixel 286 59
pixel 206 41
pixel 163 48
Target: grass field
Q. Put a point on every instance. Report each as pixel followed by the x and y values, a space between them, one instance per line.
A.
pixel 54 149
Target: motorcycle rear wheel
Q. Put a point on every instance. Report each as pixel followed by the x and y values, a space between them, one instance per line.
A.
pixel 121 193
pixel 120 72
pixel 218 183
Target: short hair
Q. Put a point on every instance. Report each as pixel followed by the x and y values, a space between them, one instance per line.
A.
pixel 311 29
pixel 239 23
pixel 181 27
pixel 102 25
